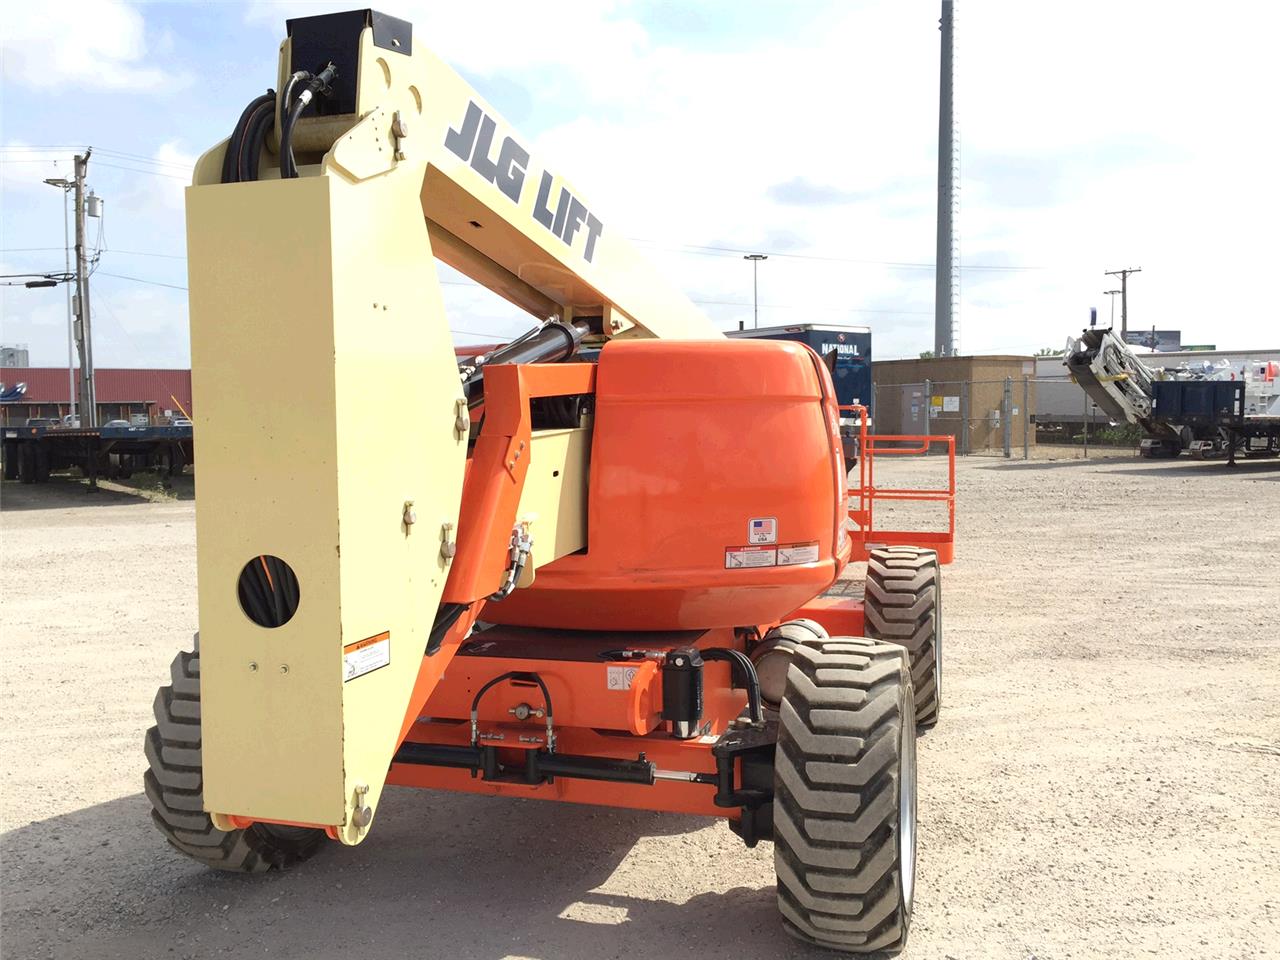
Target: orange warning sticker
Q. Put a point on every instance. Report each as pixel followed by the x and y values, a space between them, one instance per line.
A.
pixel 365 656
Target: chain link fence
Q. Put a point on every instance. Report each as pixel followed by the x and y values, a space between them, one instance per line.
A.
pixel 1011 418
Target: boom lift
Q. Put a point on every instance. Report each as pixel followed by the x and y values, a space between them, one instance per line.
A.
pixel 563 580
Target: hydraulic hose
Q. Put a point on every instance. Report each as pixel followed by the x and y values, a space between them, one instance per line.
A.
pixel 745 672
pixel 234 160
pixel 312 85
pixel 446 617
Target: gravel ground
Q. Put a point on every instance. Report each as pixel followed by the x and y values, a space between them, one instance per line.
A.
pixel 1105 781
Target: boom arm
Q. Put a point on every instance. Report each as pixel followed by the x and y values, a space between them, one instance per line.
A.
pixel 1115 379
pixel 333 425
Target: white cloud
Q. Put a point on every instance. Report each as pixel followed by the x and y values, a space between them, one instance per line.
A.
pixel 103 43
pixel 1093 136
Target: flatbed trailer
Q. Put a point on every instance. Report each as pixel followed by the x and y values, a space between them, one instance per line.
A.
pixel 1217 408
pixel 32 453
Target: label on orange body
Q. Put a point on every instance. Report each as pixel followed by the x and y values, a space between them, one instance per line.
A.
pixel 620 678
pixel 793 553
pixel 738 558
pixel 365 656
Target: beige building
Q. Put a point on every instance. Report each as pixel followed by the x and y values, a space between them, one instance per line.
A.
pixel 961 396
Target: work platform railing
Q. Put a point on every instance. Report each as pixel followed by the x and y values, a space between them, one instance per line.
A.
pixel 864 495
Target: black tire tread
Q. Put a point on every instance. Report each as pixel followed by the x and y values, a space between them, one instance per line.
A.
pixel 835 809
pixel 173 783
pixel 902 605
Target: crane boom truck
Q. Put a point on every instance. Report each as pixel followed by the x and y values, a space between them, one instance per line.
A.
pixel 1203 416
pixel 563 580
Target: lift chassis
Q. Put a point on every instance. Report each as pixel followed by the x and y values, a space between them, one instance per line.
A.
pixel 565 580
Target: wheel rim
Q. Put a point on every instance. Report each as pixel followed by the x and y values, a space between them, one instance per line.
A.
pixel 907 806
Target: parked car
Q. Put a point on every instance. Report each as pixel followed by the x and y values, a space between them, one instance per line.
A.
pixel 42 421
pixel 71 420
pixel 117 423
pixel 181 422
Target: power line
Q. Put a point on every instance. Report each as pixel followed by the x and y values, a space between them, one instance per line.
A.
pixel 704 250
pixel 144 253
pixel 154 283
pixel 115 154
pixel 154 173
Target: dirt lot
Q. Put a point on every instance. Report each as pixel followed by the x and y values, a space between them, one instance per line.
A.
pixel 1105 781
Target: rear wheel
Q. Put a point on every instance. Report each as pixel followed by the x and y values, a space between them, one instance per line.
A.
pixel 903 604
pixel 174 784
pixel 844 811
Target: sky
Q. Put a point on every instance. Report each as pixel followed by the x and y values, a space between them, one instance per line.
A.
pixel 1093 136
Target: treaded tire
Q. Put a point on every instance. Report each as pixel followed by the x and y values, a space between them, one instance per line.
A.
pixel 844 795
pixel 903 605
pixel 174 782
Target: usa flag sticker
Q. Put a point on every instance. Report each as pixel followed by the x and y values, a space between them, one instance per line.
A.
pixel 762 530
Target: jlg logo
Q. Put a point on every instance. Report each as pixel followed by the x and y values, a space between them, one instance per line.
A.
pixel 473 143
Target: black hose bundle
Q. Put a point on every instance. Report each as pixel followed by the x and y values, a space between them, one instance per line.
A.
pixel 321 84
pixel 240 163
pixel 745 674
pixel 268 591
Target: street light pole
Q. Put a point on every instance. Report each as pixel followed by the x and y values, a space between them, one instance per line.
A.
pixel 755 259
pixel 1112 295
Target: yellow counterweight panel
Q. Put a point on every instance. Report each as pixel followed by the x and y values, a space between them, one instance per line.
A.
pixel 326 400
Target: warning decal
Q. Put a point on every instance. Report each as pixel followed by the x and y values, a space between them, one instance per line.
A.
pixel 792 553
pixel 762 530
pixel 620 678
pixel 739 557
pixel 366 656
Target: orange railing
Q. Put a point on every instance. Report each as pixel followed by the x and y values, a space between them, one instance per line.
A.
pixel 864 495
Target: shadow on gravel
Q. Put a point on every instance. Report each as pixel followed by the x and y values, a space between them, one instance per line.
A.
pixel 1024 465
pixel 1178 469
pixel 1249 469
pixel 65 492
pixel 445 875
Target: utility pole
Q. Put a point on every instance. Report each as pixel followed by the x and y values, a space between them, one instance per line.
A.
pixel 945 294
pixel 755 259
pixel 65 185
pixel 1124 295
pixel 1112 295
pixel 84 333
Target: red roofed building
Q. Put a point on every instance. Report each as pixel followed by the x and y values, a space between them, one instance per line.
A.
pixel 121 393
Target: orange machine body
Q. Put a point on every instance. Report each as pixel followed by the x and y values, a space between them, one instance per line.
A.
pixel 716 492
pixel 602 709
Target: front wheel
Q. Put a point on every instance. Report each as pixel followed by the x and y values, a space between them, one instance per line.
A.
pixel 844 807
pixel 174 783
